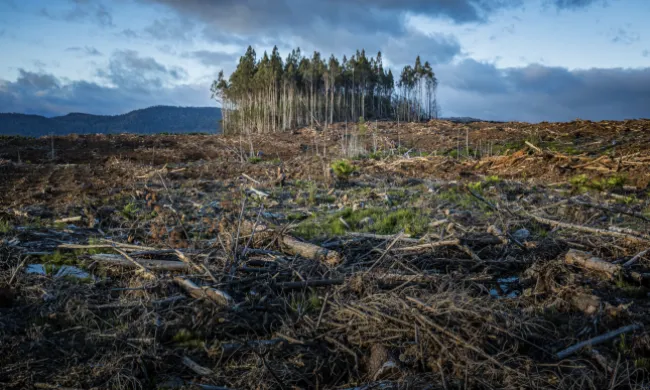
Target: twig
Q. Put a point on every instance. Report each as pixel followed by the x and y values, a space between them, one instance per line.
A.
pixel 431 245
pixel 597 340
pixel 194 366
pixel 322 310
pixel 141 267
pixel 250 178
pixel 636 258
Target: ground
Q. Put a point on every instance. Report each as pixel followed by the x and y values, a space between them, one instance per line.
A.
pixel 425 255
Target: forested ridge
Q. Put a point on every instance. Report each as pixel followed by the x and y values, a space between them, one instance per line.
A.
pixel 150 120
pixel 269 94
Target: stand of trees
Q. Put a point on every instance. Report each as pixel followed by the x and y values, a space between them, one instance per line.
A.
pixel 269 94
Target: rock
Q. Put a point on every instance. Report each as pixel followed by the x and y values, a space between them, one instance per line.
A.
pixel 521 234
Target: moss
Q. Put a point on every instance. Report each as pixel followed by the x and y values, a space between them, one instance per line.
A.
pixel 582 183
pixel 411 221
pixel 254 160
pixel 60 258
pixel 185 338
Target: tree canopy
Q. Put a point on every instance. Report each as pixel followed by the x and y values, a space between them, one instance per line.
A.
pixel 269 94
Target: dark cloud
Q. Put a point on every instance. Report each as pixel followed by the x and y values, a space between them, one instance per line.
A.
pixel 250 17
pixel 81 11
pixel 536 93
pixel 86 51
pixel 44 94
pixel 128 70
pixel 574 4
pixel 212 58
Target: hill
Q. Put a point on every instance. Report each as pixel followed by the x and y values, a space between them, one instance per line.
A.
pixel 150 120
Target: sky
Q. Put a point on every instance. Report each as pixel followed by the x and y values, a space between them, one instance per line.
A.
pixel 525 60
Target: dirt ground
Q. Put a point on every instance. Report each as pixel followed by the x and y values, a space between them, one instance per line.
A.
pixel 425 255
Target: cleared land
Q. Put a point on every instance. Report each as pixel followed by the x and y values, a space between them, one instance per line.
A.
pixel 445 256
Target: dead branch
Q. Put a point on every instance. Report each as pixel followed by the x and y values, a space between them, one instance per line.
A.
pixel 587 261
pixel 311 251
pixel 218 296
pixel 154 265
pixel 597 340
pixel 586 229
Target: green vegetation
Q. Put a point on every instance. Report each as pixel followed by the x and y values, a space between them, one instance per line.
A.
pixel 254 160
pixel 377 220
pixel 343 169
pixel 130 211
pixel 5 226
pixel 582 183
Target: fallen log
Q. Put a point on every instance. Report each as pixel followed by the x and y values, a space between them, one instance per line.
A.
pixel 597 340
pixel 310 251
pixel 153 265
pixel 587 261
pixel 218 296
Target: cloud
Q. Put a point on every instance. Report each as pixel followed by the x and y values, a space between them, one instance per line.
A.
pixel 128 33
pixel 624 36
pixel 45 94
pixel 131 72
pixel 212 58
pixel 536 93
pixel 645 53
pixel 274 18
pixel 81 11
pixel 573 4
pixel 171 29
pixel 86 51
pixel 436 48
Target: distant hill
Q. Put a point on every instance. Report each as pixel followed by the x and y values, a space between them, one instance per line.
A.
pixel 158 119
pixel 467 119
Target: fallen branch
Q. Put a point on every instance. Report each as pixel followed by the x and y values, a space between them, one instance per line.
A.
pixel 218 296
pixel 141 268
pixel 311 251
pixel 587 261
pixel 154 265
pixel 636 258
pixel 197 368
pixel 250 178
pixel 597 340
pixel 69 219
pixel 259 193
pixel 425 247
pixel 586 229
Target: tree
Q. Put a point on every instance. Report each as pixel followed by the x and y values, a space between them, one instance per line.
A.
pixel 269 95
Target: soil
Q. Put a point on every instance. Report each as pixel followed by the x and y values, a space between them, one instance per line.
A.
pixel 436 255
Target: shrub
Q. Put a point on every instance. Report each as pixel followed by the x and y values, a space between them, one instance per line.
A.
pixel 343 169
